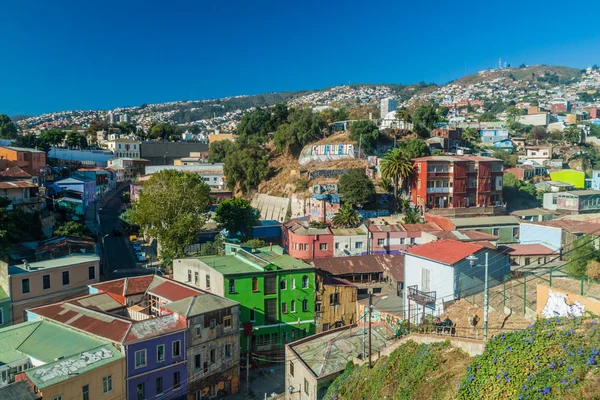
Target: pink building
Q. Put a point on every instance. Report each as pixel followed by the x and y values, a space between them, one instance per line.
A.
pixel 303 242
pixel 395 239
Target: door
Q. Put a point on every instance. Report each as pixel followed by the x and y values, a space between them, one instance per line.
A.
pixel 425 280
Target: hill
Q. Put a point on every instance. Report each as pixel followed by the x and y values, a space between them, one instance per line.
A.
pixel 554 358
pixel 563 74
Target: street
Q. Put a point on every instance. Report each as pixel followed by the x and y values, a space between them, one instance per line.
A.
pixel 117 253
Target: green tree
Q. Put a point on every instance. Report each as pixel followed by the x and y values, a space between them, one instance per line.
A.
pixel 512 117
pixel 237 217
pixel 426 116
pixel 303 127
pixel 356 188
pixel 403 115
pixel 539 133
pixel 246 168
pixel 471 136
pixel 173 209
pixel 366 134
pixel 8 129
pixel 254 127
pixel 572 134
pixel 509 160
pixel 53 137
pixel 411 216
pixel 397 167
pixel 346 217
pixel 442 113
pixel 582 252
pixel 73 228
pixel 438 152
pixel 217 151
pixel 414 148
pixel 74 139
pixel 213 248
pixel 331 115
pixel 17 226
pixel 487 116
pixel 518 194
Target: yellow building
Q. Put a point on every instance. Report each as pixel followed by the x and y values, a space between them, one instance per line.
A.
pixel 221 136
pixel 95 374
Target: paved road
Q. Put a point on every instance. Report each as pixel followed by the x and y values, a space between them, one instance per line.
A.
pixel 117 254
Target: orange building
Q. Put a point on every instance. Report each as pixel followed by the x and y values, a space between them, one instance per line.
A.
pixel 29 159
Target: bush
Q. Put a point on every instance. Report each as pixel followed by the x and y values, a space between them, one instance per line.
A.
pixel 593 270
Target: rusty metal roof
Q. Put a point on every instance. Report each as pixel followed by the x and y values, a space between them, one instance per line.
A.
pixel 445 251
pixel 17 185
pixel 356 264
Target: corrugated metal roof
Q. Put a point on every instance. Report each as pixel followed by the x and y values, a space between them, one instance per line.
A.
pixel 528 249
pixel 71 367
pixel 173 291
pixel 484 221
pixel 445 251
pixel 200 304
pixel 356 264
pixel 100 302
pixel 66 261
pixel 17 185
pixel 21 390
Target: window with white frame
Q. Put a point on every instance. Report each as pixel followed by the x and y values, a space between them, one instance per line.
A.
pixel 160 353
pixel 107 384
pixel 140 358
pixel 177 348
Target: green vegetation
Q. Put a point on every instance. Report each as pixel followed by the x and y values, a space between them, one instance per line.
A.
pixel 346 217
pixel 17 226
pixel 8 129
pixel 366 134
pixel 425 116
pixel 300 128
pixel 572 134
pixel 518 194
pixel 509 160
pixel 173 207
pixel 246 168
pixel 357 188
pixel 73 228
pixel 414 148
pixel 583 252
pixel 53 137
pixel 397 167
pixel 412 371
pixel 554 358
pixel 74 139
pixel 237 217
pixel 217 151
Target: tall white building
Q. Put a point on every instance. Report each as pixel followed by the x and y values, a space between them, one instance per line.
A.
pixel 388 105
pixel 124 118
pixel 111 118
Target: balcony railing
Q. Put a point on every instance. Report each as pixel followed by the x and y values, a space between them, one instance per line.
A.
pixel 421 297
pixel 439 190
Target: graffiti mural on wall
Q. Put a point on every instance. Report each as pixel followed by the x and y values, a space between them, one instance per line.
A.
pixel 326 152
pixel 373 213
pixel 330 188
pixel 327 173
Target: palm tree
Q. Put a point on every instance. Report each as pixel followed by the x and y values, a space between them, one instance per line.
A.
pixel 346 217
pixel 397 167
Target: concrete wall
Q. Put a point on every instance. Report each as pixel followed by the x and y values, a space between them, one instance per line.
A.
pixel 346 245
pixel 591 305
pixel 180 273
pixel 547 235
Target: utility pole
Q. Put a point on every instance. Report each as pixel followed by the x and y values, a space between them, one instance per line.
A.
pixel 485 299
pixel 248 364
pixel 370 312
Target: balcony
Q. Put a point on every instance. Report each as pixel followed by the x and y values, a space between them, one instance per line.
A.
pixel 439 190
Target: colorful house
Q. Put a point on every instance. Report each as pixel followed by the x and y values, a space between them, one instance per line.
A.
pixel 4 308
pixel 276 291
pixel 575 178
pixel 80 184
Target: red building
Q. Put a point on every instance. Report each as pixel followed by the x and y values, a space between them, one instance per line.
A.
pixel 304 242
pixel 457 181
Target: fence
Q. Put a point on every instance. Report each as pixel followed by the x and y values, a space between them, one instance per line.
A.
pixel 519 294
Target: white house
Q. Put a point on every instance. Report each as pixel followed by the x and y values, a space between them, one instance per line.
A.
pixel 440 272
pixel 350 241
pixel 124 148
pixel 211 173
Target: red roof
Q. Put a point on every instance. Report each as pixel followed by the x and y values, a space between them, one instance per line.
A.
pixel 17 185
pixel 173 291
pixel 16 172
pixel 445 251
pixel 153 326
pixel 126 286
pixel 138 284
pixel 529 250
pixel 115 287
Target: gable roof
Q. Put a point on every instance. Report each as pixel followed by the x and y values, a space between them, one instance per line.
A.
pixel 16 172
pixel 356 264
pixel 201 304
pixel 445 251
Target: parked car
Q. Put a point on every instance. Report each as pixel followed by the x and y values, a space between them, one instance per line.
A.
pixel 141 256
pixel 133 238
pixel 116 232
pixel 136 246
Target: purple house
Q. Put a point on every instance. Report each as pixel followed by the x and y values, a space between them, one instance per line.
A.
pixel 131 314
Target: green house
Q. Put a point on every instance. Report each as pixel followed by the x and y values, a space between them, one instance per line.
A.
pixel 275 290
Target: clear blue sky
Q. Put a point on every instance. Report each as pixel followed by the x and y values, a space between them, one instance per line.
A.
pixel 60 55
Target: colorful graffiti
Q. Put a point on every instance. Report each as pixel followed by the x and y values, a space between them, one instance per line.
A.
pixel 326 152
pixel 330 188
pixel 327 173
pixel 374 213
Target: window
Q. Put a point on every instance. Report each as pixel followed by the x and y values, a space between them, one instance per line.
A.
pixel 285 339
pixel 198 395
pixel 252 314
pixel 189 275
pixel 177 348
pixel 160 353
pixel 317 307
pixel 140 391
pixel 293 283
pixel 232 286
pixel 46 282
pixel 336 245
pixel 293 306
pixel 270 284
pixel 66 278
pixel 25 286
pixel 284 308
pixel 1 317
pixel 425 280
pixel 270 307
pixel 227 322
pixel 198 331
pixel 196 278
pixel 516 233
pixel 527 261
pixel 176 380
pixel 59 397
pixel 228 351
pixel 304 305
pixel 323 246
pixel 213 323
pixel 305 282
pixel 254 284
pixel 381 242
pixel 208 281
pixel 334 299
pixel 107 384
pixel 213 356
pixel 283 284
pixel 293 335
pixel 358 245
pixel 197 361
pixel 85 392
pixel 496 231
pixel 305 386
pixel 91 273
pixel 140 358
